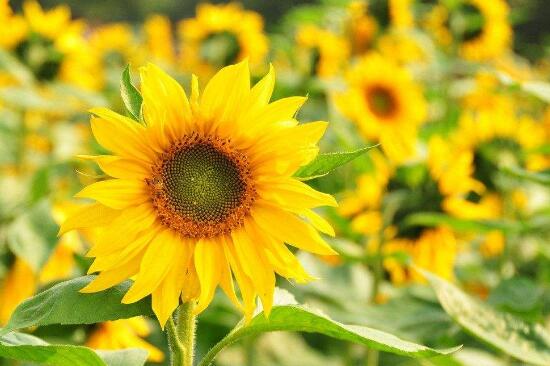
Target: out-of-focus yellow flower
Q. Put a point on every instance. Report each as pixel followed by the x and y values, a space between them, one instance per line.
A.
pixel 220 35
pixel 435 22
pixel 493 244
pixel 160 40
pixel 386 104
pixel 402 47
pixel 496 33
pixel 52 46
pixel 361 27
pixel 434 250
pixel 14 27
pixel 324 52
pixel 19 284
pixel 401 14
pixel 479 27
pixel 122 334
pixel 452 168
pixel 115 38
pixel 61 263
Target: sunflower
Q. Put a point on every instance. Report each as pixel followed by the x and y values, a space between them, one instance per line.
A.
pixel 53 46
pixel 480 28
pixel 401 13
pixel 324 52
pixel 19 284
pixel 429 185
pixel 386 103
pixel 361 27
pixel 159 39
pixel 122 334
pixel 221 35
pixel 203 192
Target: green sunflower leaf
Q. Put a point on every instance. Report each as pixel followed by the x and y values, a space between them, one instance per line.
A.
pixel 64 304
pixel 324 164
pixel 433 219
pixel 27 348
pixel 527 342
pixel 540 178
pixel 32 236
pixel 286 315
pixel 130 95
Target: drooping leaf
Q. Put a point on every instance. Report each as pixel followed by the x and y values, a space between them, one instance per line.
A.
pixel 541 178
pixel 27 348
pixel 286 315
pixel 33 235
pixel 527 342
pixel 539 89
pixel 464 225
pixel 126 357
pixel 326 163
pixel 130 95
pixel 64 304
pixel 24 347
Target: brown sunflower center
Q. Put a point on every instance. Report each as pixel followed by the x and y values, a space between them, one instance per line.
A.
pixel 201 187
pixel 381 101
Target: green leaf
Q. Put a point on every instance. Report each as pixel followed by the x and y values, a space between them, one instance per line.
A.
pixel 541 178
pixel 33 235
pixel 130 95
pixel 286 315
pixel 127 357
pixel 432 219
pixel 326 163
pixel 539 89
pixel 64 304
pixel 527 342
pixel 24 347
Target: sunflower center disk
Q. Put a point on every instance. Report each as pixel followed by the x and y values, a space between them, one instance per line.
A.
pixel 381 101
pixel 201 187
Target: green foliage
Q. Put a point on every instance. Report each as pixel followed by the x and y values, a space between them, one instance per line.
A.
pixel 286 315
pixel 27 348
pixel 527 342
pixel 64 304
pixel 325 163
pixel 130 95
pixel 33 235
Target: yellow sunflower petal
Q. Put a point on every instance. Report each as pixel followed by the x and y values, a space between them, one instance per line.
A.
pixel 208 262
pixel 90 216
pixel 116 193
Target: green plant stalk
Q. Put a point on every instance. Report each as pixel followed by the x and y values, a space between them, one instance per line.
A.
pixel 181 336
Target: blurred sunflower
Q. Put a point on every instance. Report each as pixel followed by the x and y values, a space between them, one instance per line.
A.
pixel 115 44
pixel 323 53
pixel 221 35
pixel 52 46
pixel 123 334
pixel 386 104
pixel 18 285
pixel 361 27
pixel 207 183
pixel 427 186
pixel 480 27
pixel 160 40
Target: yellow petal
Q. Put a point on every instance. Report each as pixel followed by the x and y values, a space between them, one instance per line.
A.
pixel 292 193
pixel 288 228
pixel 116 193
pixel 208 263
pixel 114 276
pixel 121 135
pixel 90 216
pixel 155 265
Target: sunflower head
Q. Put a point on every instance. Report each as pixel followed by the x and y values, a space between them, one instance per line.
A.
pixel 386 104
pixel 203 194
pixel 221 35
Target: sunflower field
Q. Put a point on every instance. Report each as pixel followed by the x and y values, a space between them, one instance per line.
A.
pixel 285 183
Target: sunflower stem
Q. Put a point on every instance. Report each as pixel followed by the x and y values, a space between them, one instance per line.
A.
pixel 177 349
pixel 186 331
